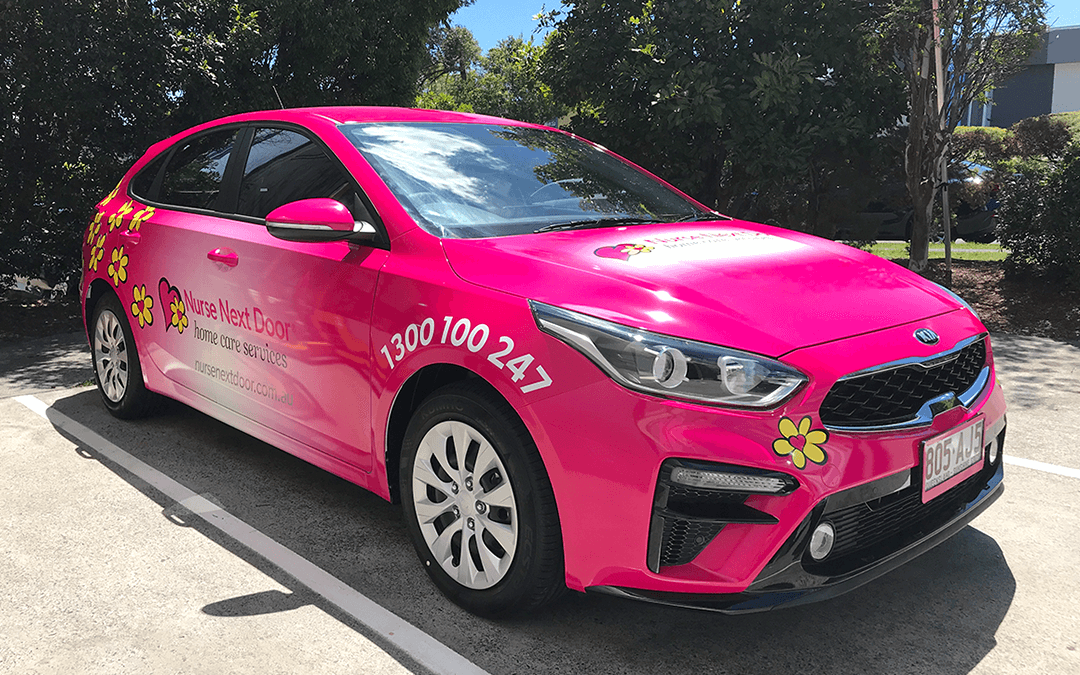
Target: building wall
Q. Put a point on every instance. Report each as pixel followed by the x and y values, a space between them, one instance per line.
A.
pixel 1066 87
pixel 1049 84
pixel 1026 94
pixel 1063 45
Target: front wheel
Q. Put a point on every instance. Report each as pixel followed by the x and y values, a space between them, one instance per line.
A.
pixel 478 504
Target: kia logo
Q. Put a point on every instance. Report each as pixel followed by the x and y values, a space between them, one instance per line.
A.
pixel 926 336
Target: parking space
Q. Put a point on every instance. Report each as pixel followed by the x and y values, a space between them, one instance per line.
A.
pixel 106 572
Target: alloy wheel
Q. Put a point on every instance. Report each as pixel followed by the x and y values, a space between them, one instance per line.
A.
pixel 465 504
pixel 110 356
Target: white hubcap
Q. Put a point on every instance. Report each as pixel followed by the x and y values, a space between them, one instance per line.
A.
pixel 110 356
pixel 465 505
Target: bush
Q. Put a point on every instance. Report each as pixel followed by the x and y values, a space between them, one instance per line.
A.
pixel 1044 136
pixel 979 144
pixel 1072 122
pixel 1039 220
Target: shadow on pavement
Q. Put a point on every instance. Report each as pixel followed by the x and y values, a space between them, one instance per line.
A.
pixel 1036 369
pixel 54 362
pixel 938 614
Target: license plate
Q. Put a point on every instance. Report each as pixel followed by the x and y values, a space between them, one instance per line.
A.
pixel 952 457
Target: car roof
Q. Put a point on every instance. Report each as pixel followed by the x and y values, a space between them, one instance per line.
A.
pixel 321 119
pixel 346 114
pixel 330 116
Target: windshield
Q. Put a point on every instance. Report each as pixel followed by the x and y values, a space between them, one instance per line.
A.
pixel 481 180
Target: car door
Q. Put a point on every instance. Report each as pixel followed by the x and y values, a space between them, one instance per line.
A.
pixel 276 331
pixel 166 249
pixel 310 302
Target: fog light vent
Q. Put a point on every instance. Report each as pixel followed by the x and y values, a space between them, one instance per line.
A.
pixel 821 541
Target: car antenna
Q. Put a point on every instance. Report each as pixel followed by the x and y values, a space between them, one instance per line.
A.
pixel 278 97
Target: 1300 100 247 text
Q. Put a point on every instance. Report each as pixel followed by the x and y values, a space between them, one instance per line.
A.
pixel 475 337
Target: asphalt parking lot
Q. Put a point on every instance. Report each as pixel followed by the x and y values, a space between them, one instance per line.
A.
pixel 178 545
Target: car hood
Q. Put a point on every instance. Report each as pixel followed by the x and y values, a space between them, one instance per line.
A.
pixel 733 283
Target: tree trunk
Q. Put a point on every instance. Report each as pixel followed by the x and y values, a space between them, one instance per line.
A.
pixel 921 152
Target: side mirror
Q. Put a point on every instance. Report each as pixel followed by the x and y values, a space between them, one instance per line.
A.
pixel 315 220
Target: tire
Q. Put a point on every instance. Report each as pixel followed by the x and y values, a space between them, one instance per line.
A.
pixel 483 519
pixel 117 371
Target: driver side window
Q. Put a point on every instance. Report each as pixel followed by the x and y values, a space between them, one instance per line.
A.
pixel 284 166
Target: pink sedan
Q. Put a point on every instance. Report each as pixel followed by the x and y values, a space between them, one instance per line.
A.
pixel 569 373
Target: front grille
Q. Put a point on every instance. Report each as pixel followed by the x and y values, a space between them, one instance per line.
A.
pixel 895 396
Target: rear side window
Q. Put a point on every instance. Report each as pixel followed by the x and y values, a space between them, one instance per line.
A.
pixel 194 174
pixel 143 184
pixel 284 166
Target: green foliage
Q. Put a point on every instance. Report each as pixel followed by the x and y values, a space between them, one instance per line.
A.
pixel 1025 148
pixel 87 85
pixel 1043 136
pixel 452 49
pixel 506 84
pixel 1072 123
pixel 340 52
pixel 748 106
pixel 1039 220
pixel 984 145
pixel 84 87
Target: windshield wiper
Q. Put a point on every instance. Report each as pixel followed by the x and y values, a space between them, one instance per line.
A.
pixel 709 215
pixel 589 223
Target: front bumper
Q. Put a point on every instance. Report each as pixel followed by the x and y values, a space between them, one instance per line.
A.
pixel 793 578
pixel 607 460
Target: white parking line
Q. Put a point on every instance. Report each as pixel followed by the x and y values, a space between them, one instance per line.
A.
pixel 1042 466
pixel 418 645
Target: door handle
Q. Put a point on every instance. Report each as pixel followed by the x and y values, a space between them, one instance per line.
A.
pixel 129 237
pixel 226 256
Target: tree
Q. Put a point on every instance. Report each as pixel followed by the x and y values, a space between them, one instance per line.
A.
pixel 742 104
pixel 87 85
pixel 84 88
pixel 982 42
pixel 506 83
pixel 452 49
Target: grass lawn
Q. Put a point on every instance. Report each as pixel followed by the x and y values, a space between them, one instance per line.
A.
pixel 962 250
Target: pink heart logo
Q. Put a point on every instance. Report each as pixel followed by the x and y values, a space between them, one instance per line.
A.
pixel 615 252
pixel 621 251
pixel 167 294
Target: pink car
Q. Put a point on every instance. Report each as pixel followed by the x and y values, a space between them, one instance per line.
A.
pixel 569 373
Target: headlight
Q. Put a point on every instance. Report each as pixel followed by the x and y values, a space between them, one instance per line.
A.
pixel 669 366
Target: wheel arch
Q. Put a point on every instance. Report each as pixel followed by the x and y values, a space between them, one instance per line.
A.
pixel 412 393
pixel 98 289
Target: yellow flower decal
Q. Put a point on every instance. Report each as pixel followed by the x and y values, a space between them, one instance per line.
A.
pixel 140 217
pixel 109 197
pixel 622 251
pixel 801 443
pixel 94 229
pixel 97 252
pixel 140 308
pixel 179 317
pixel 116 219
pixel 635 249
pixel 118 266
